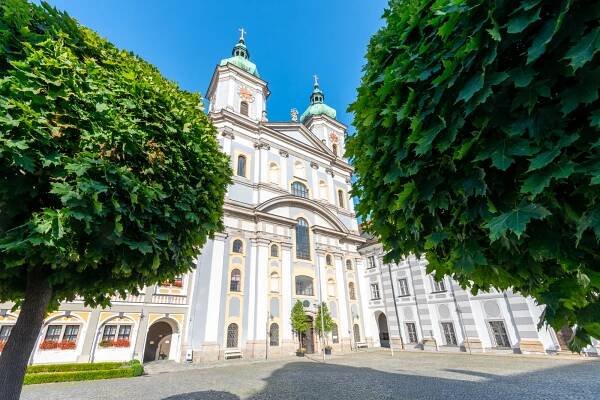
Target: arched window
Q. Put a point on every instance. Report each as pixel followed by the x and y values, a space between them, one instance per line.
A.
pixel 299 189
pixel 351 291
pixel 334 334
pixel 274 282
pixel 356 330
pixel 328 260
pixel 235 284
pixel 349 265
pixel 331 287
pixel 334 148
pixel 274 335
pixel 274 250
pixel 299 170
pixel 341 198
pixel 238 246
pixel 323 190
pixel 241 165
pixel 274 173
pixel 232 336
pixel 244 108
pixel 304 285
pixel 302 242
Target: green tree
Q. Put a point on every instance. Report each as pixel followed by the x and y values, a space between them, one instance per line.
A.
pixel 111 177
pixel 478 145
pixel 298 321
pixel 323 320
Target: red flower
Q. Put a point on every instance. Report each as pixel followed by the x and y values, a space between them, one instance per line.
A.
pixel 67 345
pixel 121 343
pixel 107 343
pixel 48 345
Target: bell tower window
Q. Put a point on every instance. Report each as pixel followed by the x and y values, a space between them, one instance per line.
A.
pixel 244 108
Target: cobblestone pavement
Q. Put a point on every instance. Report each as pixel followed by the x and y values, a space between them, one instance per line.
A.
pixel 368 375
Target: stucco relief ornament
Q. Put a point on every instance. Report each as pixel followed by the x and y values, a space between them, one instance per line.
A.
pixel 246 95
pixel 333 137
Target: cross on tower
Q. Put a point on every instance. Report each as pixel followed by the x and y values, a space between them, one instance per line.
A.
pixel 316 78
pixel 242 33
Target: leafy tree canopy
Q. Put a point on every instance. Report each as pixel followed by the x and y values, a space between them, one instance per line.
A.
pixel 298 318
pixel 323 323
pixel 478 145
pixel 111 177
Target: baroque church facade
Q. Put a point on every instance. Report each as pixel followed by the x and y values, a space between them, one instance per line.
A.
pixel 290 235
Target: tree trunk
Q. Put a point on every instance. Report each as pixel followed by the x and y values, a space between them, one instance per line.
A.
pixel 18 348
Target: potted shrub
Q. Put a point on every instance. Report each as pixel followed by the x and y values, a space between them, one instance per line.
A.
pixel 328 350
pixel 300 352
pixel 107 343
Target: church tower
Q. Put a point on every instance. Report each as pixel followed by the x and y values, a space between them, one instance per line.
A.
pixel 236 85
pixel 321 120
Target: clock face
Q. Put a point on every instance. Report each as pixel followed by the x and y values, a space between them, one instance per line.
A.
pixel 333 137
pixel 246 94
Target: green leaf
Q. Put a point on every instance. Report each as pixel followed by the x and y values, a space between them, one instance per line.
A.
pixel 515 221
pixel 583 51
pixel 101 107
pixel 522 21
pixel 543 159
pixel 433 240
pixel 539 180
pixel 522 77
pixel 472 86
pixel 589 219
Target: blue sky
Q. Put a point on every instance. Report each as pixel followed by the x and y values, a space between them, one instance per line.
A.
pixel 288 40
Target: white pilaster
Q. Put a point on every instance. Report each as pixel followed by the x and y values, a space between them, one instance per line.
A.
pixel 342 285
pixel 286 282
pixel 260 328
pixel 213 305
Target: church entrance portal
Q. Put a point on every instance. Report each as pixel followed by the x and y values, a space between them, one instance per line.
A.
pixel 384 335
pixel 158 342
pixel 308 337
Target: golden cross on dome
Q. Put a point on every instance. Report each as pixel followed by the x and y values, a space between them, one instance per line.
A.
pixel 242 33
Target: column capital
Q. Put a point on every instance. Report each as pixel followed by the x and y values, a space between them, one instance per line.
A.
pixel 228 133
pixel 286 246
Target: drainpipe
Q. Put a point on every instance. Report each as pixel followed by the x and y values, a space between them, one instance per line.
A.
pixel 412 281
pixel 460 318
pixel 395 307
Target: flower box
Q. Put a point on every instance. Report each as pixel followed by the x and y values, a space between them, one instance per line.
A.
pixel 49 345
pixel 115 343
pixel 54 345
pixel 67 345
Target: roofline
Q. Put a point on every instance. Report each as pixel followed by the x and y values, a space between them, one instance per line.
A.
pixel 237 69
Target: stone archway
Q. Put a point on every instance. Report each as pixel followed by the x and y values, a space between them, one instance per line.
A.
pixel 384 334
pixel 158 341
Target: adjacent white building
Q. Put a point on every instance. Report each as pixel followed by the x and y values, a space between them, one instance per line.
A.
pixel 290 235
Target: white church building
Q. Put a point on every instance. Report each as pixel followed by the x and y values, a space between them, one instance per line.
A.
pixel 291 234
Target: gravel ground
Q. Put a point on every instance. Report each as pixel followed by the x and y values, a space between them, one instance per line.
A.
pixel 368 375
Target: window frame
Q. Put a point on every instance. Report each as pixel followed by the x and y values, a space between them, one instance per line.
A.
pixel 371 262
pixel 341 198
pixel 276 247
pixel 446 332
pixel 241 248
pixel 304 292
pixel 438 287
pixel 299 189
pixel 237 281
pixel 4 335
pixel 242 169
pixel 245 106
pixel 411 332
pixel 403 289
pixel 351 291
pixel 302 242
pixel 274 343
pixel 375 293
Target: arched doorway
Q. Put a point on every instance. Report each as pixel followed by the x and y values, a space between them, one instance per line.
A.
pixel 356 331
pixel 563 336
pixel 384 335
pixel 308 337
pixel 158 341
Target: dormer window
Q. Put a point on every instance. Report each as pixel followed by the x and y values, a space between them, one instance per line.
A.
pixel 244 108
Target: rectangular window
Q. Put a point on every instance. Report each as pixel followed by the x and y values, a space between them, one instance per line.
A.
pixel 403 287
pixel 371 262
pixel 71 332
pixel 375 291
pixel 411 329
pixel 124 332
pixel 109 333
pixel 5 332
pixel 500 334
pixel 449 333
pixel 439 286
pixel 53 333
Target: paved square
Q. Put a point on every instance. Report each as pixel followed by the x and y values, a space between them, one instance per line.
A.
pixel 366 375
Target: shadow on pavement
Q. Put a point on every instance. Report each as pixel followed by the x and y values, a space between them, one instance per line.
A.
pixel 300 380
